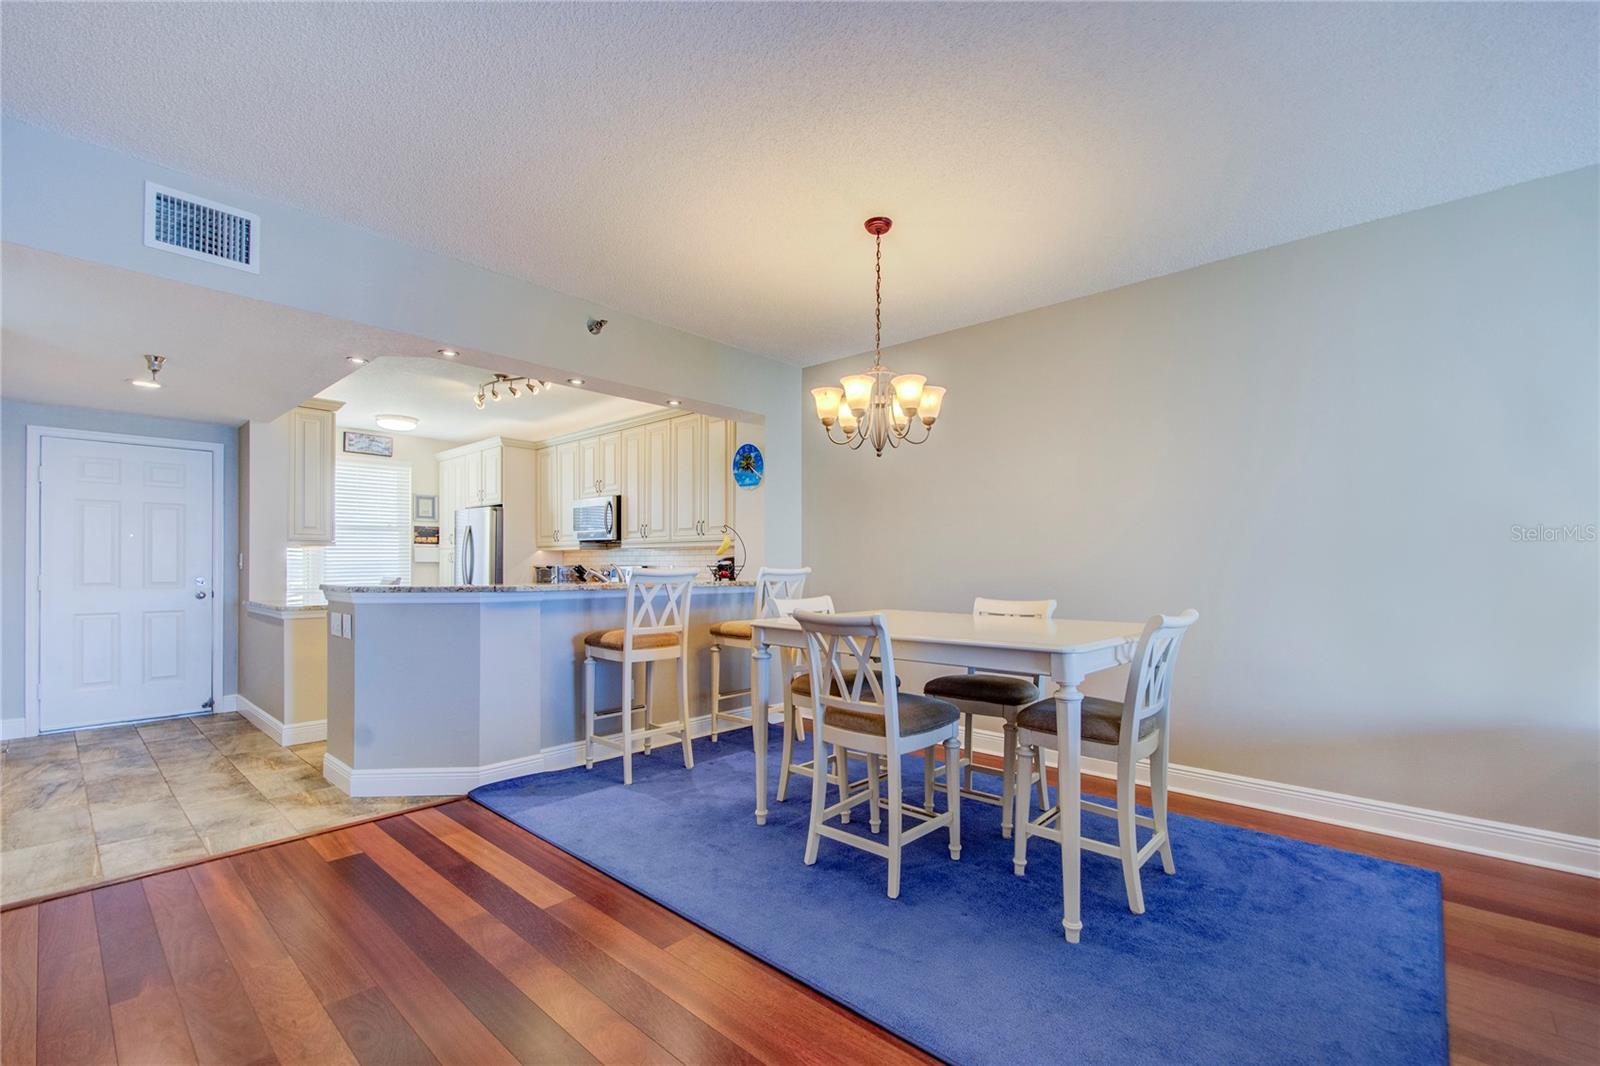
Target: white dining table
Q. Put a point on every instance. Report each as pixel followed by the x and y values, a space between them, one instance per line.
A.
pixel 1067 650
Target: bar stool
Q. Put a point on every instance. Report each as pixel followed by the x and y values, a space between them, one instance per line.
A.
pixel 1134 730
pixel 856 711
pixel 656 629
pixel 771 583
pixel 994 695
pixel 797 687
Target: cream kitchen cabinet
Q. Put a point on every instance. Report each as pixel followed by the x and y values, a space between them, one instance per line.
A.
pixel 312 452
pixel 702 448
pixel 558 474
pixel 599 465
pixel 672 474
pixel 489 472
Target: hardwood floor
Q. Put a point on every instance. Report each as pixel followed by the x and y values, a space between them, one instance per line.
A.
pixel 451 935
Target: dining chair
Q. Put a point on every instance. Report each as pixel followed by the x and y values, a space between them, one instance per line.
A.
pixel 797 688
pixel 771 583
pixel 1135 729
pixel 992 695
pixel 655 629
pixel 854 710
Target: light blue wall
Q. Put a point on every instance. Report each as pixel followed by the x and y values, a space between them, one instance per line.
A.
pixel 81 200
pixel 15 418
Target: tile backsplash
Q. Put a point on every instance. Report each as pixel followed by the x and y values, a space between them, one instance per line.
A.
pixel 695 556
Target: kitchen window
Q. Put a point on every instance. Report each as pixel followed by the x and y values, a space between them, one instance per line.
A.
pixel 372 533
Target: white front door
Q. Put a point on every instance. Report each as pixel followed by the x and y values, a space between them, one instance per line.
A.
pixel 126 595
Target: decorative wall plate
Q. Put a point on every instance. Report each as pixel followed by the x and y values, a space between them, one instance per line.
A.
pixel 747 466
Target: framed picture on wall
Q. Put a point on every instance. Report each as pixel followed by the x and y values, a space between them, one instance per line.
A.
pixel 427 508
pixel 424 534
pixel 359 443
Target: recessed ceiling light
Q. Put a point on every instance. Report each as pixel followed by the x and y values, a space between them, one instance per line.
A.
pixel 448 353
pixel 358 360
pixel 153 364
pixel 398 423
pixel 574 381
pixel 674 403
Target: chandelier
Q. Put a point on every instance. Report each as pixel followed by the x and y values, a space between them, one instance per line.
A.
pixel 506 385
pixel 875 406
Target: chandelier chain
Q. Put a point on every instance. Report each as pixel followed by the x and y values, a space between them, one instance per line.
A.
pixel 877 310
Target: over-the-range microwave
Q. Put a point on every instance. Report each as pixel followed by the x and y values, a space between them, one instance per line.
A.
pixel 598 519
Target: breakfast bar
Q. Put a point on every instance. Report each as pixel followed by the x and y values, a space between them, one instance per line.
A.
pixel 435 690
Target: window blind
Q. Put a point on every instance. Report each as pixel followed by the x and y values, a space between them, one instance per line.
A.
pixel 372 533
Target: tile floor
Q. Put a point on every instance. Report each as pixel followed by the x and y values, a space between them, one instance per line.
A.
pixel 77 808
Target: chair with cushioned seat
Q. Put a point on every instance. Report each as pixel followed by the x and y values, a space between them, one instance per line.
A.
pixel 991 695
pixel 797 687
pixel 656 629
pixel 1137 728
pixel 771 583
pixel 854 710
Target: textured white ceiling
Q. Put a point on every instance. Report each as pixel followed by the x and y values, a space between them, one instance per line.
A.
pixel 438 393
pixel 709 166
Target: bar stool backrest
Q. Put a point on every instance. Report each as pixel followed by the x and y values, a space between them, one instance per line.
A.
pixel 844 645
pixel 776 583
pixel 1150 681
pixel 982 605
pixel 658 602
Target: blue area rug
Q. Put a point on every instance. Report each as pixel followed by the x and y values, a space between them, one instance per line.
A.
pixel 1259 949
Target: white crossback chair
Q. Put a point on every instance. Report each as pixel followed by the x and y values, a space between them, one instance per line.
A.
pixel 991 695
pixel 1138 728
pixel 656 629
pixel 772 583
pixel 855 711
pixel 797 698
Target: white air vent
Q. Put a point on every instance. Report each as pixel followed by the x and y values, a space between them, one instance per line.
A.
pixel 200 229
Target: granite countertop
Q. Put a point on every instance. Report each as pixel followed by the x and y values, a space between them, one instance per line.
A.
pixel 558 586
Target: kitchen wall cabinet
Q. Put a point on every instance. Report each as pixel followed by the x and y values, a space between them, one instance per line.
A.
pixel 599 465
pixel 489 472
pixel 312 451
pixel 657 510
pixel 672 474
pixel 549 503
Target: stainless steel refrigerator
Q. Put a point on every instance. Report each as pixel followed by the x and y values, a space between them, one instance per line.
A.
pixel 479 547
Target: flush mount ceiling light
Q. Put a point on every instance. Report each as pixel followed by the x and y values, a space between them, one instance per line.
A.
pixel 357 360
pixel 574 381
pixel 398 423
pixel 506 385
pixel 875 406
pixel 674 403
pixel 448 353
pixel 152 363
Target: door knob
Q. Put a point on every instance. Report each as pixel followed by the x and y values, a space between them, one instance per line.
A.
pixel 201 595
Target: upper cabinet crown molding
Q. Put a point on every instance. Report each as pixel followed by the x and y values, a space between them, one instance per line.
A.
pixel 487 442
pixel 312 453
pixel 316 403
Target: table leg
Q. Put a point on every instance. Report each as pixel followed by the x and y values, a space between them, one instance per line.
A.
pixel 760 657
pixel 1069 796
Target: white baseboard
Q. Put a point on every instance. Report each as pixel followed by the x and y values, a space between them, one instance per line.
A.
pixel 1500 840
pixel 459 780
pixel 287 734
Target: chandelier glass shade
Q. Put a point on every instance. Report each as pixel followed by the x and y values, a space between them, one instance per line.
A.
pixel 505 385
pixel 878 407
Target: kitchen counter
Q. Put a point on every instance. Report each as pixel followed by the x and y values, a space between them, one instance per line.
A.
pixel 437 689
pixel 551 586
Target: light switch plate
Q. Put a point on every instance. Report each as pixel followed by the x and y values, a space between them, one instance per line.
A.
pixel 344 626
pixel 333 623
